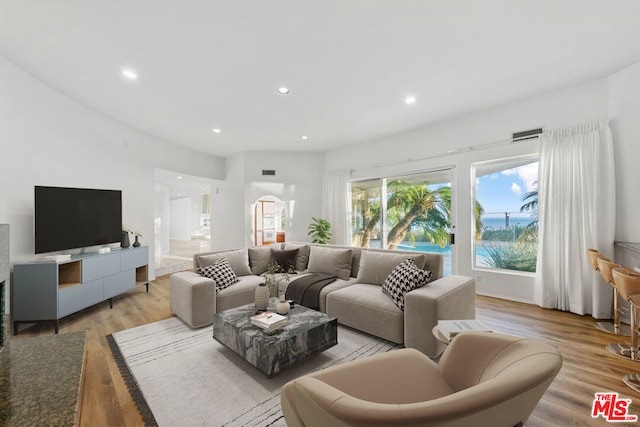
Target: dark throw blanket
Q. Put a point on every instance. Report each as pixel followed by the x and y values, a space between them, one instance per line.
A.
pixel 306 290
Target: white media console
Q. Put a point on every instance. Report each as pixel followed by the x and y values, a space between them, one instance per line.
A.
pixel 50 290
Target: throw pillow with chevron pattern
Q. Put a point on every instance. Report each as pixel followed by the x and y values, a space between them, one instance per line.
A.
pixel 220 272
pixel 405 277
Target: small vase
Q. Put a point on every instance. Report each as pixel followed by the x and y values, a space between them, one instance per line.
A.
pixel 137 242
pixel 262 296
pixel 283 306
pixel 124 243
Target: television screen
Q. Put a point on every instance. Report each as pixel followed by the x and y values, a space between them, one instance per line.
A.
pixel 70 218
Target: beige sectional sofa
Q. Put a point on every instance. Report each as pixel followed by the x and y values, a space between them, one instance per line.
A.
pixel 355 298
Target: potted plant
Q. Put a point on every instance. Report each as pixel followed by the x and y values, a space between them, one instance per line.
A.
pixel 320 231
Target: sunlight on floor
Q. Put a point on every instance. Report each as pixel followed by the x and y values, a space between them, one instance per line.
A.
pixel 180 255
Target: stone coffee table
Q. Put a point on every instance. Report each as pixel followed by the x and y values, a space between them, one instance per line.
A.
pixel 308 332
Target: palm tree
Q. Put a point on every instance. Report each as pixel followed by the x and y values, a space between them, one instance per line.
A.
pixel 531 205
pixel 477 213
pixel 530 232
pixel 373 211
pixel 417 205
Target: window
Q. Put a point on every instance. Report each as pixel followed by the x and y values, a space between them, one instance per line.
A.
pixel 367 215
pixel 506 214
pixel 410 212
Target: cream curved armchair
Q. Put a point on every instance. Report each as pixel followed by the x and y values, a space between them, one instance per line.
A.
pixel 483 379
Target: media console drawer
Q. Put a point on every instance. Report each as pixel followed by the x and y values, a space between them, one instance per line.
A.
pixel 100 266
pixel 119 283
pixel 134 257
pixel 77 297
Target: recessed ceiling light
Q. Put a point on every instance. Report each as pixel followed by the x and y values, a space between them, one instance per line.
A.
pixel 130 74
pixel 216 130
pixel 410 100
pixel 283 90
pixel 305 137
pixel 178 177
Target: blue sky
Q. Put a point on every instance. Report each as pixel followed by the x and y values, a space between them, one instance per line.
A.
pixel 503 191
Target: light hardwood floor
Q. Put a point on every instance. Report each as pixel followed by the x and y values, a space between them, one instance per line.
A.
pixel 588 368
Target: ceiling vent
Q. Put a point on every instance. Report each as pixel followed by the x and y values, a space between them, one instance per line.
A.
pixel 271 172
pixel 527 134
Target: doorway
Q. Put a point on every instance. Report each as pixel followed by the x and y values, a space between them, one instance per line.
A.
pixel 182 220
pixel 269 221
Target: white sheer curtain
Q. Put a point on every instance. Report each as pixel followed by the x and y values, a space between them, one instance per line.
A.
pixel 576 209
pixel 336 205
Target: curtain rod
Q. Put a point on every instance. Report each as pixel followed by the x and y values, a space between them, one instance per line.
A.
pixel 478 147
pixel 450 152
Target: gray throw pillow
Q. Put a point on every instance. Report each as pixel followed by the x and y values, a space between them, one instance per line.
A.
pixel 375 267
pixel 238 260
pixel 259 259
pixel 404 278
pixel 285 259
pixel 330 261
pixel 303 254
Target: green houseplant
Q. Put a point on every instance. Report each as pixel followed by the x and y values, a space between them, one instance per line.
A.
pixel 320 231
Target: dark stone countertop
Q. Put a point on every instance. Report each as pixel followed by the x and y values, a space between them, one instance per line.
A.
pixel 41 380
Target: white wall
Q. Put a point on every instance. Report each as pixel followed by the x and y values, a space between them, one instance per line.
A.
pixel 624 111
pixel 298 183
pixel 180 219
pixel 48 139
pixel 227 206
pixel 162 219
pixel 398 154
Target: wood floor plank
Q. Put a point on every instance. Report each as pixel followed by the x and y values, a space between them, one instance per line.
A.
pixel 588 368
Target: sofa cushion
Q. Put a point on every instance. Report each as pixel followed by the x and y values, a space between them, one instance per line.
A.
pixel 303 254
pixel 286 259
pixel 240 293
pixel 259 259
pixel 404 278
pixel 330 261
pixel 375 266
pixel 238 260
pixel 366 308
pixel 220 272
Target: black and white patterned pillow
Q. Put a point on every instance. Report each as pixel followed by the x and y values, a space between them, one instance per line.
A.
pixel 220 272
pixel 405 277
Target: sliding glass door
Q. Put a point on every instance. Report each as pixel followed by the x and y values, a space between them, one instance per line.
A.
pixel 410 212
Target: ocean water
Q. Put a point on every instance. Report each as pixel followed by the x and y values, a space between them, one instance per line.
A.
pixel 497 221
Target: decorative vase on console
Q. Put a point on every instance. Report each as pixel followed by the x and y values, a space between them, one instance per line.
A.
pixel 124 243
pixel 262 296
pixel 137 242
pixel 283 305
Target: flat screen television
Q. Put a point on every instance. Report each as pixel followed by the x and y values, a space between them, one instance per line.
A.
pixel 70 218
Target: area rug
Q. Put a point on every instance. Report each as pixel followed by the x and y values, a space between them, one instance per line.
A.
pixel 182 376
pixel 41 380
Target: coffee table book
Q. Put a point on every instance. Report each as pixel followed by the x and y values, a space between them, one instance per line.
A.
pixel 451 328
pixel 268 321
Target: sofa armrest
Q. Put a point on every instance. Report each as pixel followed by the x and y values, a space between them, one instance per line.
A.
pixel 451 297
pixel 192 298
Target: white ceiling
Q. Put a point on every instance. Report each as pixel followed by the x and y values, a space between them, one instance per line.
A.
pixel 349 63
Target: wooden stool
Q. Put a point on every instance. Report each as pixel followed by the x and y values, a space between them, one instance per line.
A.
pixel 628 286
pixel 603 265
pixel 633 380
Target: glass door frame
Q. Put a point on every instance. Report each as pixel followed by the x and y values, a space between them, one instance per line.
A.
pixel 445 174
